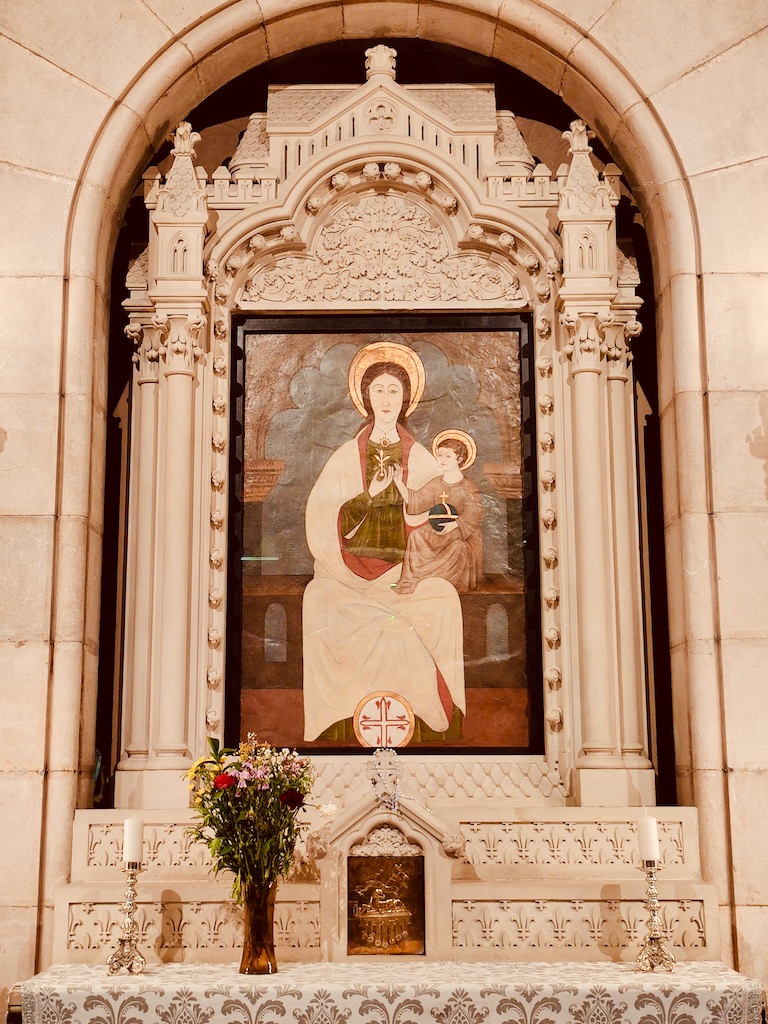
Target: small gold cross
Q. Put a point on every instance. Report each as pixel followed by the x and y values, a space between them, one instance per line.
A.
pixel 443 497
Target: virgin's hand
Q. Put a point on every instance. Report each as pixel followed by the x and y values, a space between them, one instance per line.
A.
pixel 381 483
pixel 398 478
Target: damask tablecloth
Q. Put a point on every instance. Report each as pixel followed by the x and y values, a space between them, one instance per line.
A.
pixel 394 993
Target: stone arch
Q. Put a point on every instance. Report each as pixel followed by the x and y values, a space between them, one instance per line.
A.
pixel 542 44
pixel 537 41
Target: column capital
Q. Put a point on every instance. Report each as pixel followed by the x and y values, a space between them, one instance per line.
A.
pixel 147 333
pixel 618 338
pixel 586 342
pixel 181 351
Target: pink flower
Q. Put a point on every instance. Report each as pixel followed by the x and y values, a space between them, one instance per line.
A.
pixel 224 781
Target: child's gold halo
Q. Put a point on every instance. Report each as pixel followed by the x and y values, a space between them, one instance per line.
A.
pixel 456 435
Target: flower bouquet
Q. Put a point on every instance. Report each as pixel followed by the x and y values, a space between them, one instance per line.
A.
pixel 247 801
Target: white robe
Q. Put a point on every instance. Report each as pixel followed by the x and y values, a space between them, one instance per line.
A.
pixel 359 635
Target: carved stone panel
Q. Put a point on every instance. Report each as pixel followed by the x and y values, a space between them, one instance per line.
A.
pixel 168 926
pixel 561 843
pixel 610 925
pixel 383 248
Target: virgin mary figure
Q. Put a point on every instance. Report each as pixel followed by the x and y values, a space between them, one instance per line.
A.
pixel 360 636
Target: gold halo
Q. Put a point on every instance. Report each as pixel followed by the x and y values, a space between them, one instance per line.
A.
pixel 385 352
pixel 457 435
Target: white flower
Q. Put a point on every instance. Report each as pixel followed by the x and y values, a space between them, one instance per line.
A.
pixel 327 810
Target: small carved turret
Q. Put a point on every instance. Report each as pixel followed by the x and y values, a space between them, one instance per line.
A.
pixel 178 219
pixel 587 225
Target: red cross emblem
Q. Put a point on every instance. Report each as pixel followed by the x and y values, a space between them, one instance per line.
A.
pixel 383 719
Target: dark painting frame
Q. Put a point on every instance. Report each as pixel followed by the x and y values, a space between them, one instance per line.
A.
pixel 417 324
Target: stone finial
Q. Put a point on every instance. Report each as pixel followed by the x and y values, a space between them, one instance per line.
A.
pixel 578 138
pixel 185 140
pixel 510 145
pixel 253 147
pixel 626 268
pixel 137 278
pixel 380 60
pixel 583 196
pixel 183 194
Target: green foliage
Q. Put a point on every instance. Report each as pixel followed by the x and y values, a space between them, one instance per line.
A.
pixel 248 801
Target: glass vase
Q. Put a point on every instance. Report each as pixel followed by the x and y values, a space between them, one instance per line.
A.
pixel 258 929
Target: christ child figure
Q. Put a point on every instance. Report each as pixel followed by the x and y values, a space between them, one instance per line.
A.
pixel 448 543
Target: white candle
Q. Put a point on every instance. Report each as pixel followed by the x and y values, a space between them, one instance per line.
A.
pixel 648 835
pixel 133 840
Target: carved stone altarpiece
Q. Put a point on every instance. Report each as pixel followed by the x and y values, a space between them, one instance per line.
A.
pixel 369 199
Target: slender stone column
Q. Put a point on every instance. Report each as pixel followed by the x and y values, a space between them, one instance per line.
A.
pixel 594 611
pixel 181 353
pixel 157 731
pixel 626 545
pixel 147 338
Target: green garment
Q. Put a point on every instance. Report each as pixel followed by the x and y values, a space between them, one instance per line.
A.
pixel 380 524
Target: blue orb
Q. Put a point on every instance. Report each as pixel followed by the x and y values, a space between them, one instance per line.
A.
pixel 441 515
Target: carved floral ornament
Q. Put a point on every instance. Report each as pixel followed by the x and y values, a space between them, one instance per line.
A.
pixel 383 247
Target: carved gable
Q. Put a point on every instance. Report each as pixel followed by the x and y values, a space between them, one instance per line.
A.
pixel 460 120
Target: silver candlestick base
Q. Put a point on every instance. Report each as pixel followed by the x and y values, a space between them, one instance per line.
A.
pixel 653 953
pixel 127 955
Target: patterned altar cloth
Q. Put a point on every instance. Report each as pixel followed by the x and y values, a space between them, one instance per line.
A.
pixel 394 993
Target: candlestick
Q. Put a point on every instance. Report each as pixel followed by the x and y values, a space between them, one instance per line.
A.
pixel 127 954
pixel 653 952
pixel 648 837
pixel 133 840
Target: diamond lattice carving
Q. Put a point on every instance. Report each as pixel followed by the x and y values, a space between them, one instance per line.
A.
pixel 302 106
pixel 462 104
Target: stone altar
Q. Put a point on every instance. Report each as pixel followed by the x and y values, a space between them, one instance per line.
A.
pixel 703 993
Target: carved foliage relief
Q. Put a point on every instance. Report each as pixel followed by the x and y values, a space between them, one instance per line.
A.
pixel 383 248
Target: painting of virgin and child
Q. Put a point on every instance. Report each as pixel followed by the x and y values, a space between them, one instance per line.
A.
pixel 404 552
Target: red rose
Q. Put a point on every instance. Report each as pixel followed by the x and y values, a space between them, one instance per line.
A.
pixel 292 798
pixel 224 781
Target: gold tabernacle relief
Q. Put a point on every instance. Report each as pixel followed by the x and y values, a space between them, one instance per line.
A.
pixel 385 905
